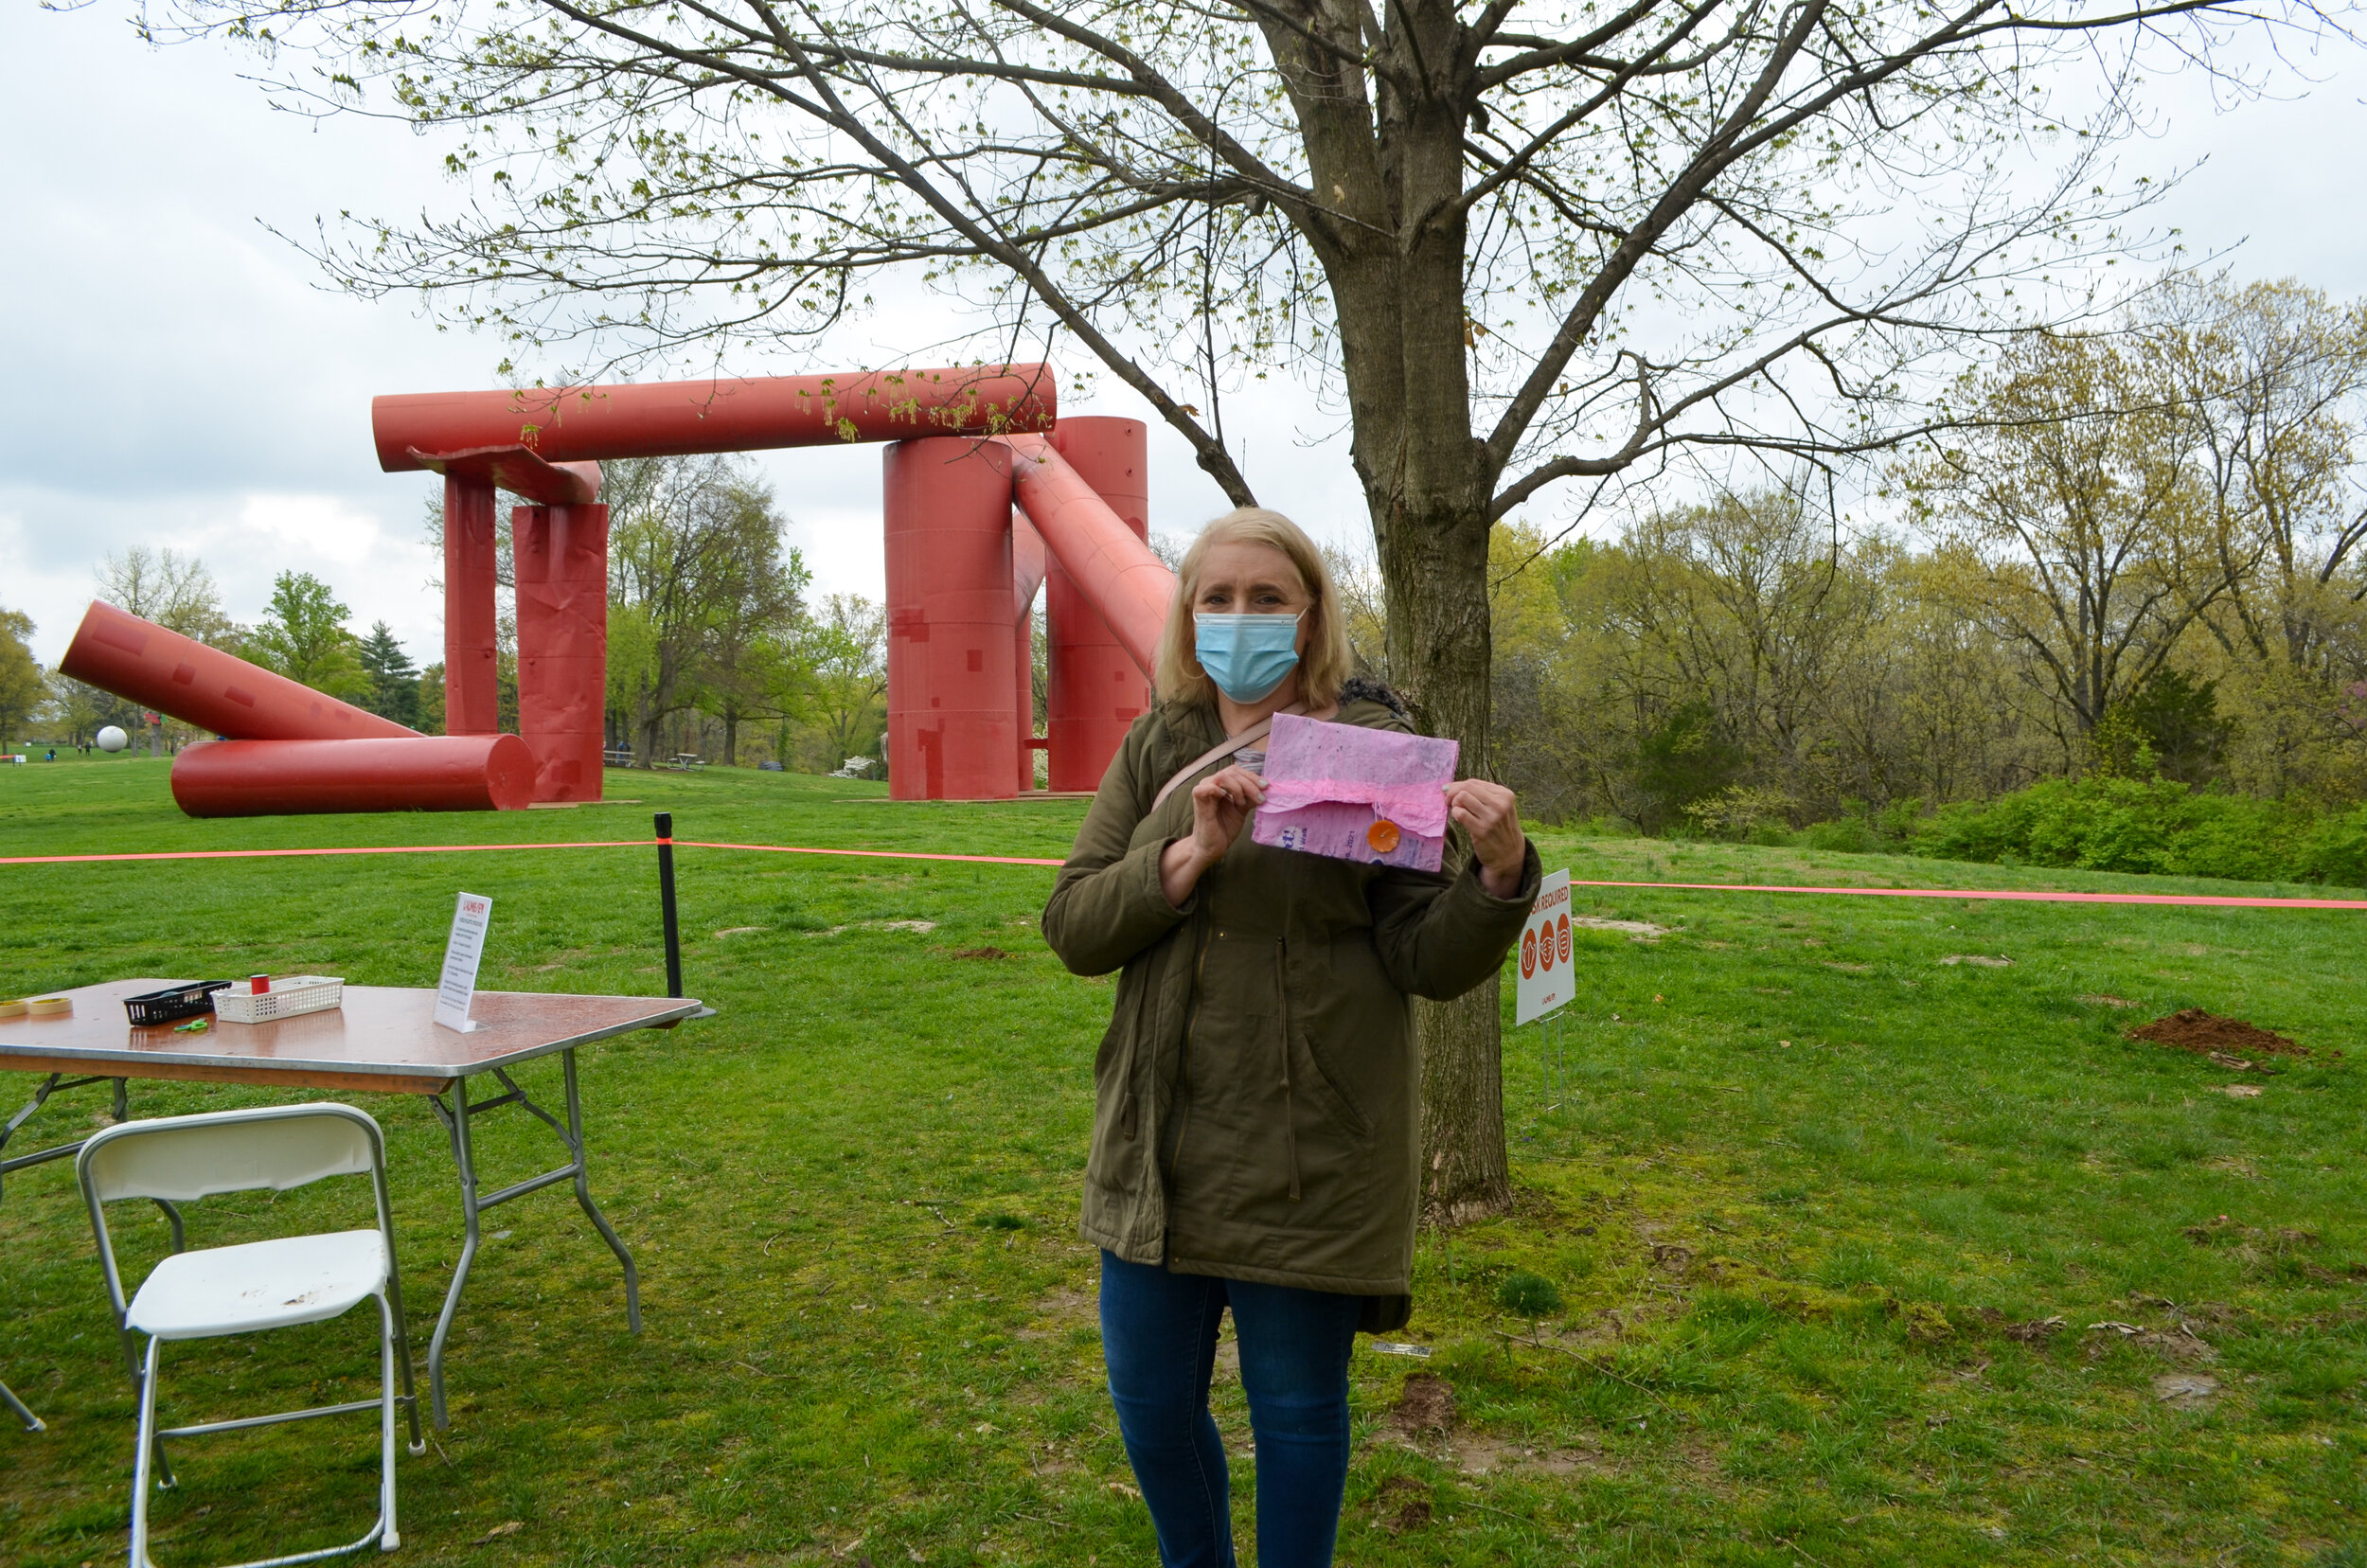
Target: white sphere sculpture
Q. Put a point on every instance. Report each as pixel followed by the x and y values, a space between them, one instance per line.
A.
pixel 113 740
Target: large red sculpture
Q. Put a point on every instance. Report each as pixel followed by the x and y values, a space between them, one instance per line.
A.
pixel 303 750
pixel 986 497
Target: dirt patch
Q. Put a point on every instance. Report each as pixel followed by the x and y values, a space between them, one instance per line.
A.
pixel 2035 1331
pixel 984 953
pixel 1060 1309
pixel 2101 999
pixel 1484 1455
pixel 2224 1039
pixel 2179 1345
pixel 1403 1504
pixel 1474 1455
pixel 2186 1389
pixel 2223 1231
pixel 1638 931
pixel 1980 960
pixel 1427 1407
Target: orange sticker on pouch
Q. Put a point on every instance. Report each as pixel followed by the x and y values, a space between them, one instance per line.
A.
pixel 1382 835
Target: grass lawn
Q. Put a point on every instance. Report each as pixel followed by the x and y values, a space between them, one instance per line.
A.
pixel 1810 1188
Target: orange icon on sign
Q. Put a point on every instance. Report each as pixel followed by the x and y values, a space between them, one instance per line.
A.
pixel 1545 945
pixel 1561 934
pixel 1528 954
pixel 1382 835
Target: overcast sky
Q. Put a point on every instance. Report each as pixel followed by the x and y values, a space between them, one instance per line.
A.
pixel 172 374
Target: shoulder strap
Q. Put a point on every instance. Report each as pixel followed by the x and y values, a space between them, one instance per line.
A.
pixel 1225 747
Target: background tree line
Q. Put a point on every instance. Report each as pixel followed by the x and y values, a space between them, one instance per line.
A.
pixel 2138 559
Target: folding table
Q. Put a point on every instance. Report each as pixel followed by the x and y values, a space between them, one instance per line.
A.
pixel 382 1040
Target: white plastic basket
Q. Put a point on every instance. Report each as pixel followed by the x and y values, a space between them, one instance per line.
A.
pixel 288 997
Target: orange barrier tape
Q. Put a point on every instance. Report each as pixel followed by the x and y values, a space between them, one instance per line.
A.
pixel 473 849
pixel 2002 894
pixel 2202 901
pixel 279 854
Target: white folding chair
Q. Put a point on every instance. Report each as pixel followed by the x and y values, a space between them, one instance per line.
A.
pixel 258 1285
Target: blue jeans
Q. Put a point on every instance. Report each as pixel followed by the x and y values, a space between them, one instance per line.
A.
pixel 1159 1337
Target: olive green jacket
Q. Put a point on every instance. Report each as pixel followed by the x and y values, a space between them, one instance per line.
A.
pixel 1257 1110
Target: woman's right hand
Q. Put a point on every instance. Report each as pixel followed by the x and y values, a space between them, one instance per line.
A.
pixel 1221 807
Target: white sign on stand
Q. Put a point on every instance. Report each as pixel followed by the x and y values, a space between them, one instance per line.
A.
pixel 457 988
pixel 1545 974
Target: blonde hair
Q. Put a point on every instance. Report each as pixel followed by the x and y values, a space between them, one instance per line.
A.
pixel 1325 665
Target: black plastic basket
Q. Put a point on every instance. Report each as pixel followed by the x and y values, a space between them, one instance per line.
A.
pixel 175 1003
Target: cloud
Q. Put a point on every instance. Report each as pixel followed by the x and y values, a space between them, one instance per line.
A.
pixel 172 373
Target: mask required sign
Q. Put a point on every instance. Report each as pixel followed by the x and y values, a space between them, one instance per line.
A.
pixel 1544 982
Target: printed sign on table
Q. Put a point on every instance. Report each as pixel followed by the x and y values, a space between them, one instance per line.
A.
pixel 457 988
pixel 1544 981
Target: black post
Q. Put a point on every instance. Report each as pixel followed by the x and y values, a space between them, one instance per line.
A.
pixel 666 901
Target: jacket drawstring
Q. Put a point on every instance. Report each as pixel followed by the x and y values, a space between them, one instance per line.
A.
pixel 1289 1117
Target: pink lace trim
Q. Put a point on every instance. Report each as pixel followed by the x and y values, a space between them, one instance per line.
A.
pixel 1416 807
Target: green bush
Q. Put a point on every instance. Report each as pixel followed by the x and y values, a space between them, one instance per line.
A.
pixel 1851 834
pixel 2335 850
pixel 1528 1296
pixel 2154 825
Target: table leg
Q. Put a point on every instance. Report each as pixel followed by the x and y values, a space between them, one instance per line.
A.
pixel 464 1158
pixel 583 1195
pixel 473 1205
pixel 32 1422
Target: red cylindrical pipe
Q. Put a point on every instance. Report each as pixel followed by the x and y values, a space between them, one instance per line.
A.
pixel 440 773
pixel 1028 563
pixel 953 721
pixel 1096 691
pixel 562 561
pixel 472 674
pixel 1114 571
pixel 675 419
pixel 143 662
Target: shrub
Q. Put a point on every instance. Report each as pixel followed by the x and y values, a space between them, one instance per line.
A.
pixel 1528 1296
pixel 2153 825
pixel 2333 849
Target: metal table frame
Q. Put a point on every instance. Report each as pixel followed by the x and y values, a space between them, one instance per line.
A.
pixel 455 1119
pixel 48 1087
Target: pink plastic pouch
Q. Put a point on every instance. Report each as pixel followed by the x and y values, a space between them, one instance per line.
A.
pixel 1355 793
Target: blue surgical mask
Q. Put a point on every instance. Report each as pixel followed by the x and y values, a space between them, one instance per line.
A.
pixel 1246 655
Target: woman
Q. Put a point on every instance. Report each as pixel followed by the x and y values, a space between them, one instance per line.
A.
pixel 1256 1132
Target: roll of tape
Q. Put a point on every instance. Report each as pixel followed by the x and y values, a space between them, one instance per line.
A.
pixel 50 1007
pixel 11 1006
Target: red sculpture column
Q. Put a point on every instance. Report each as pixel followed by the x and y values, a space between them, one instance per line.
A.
pixel 471 687
pixel 953 719
pixel 561 561
pixel 1095 690
pixel 1028 562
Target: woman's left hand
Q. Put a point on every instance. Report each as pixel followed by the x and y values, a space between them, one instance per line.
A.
pixel 1491 814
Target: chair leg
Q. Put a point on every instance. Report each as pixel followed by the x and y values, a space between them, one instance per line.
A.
pixel 403 1347
pixel 32 1422
pixel 140 1381
pixel 388 1537
pixel 149 1449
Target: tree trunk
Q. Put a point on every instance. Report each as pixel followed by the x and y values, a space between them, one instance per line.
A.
pixel 1439 636
pixel 1397 283
pixel 1427 484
